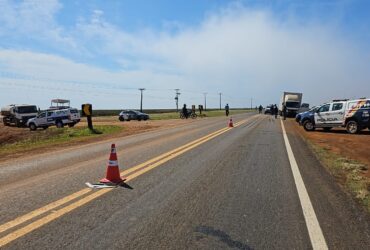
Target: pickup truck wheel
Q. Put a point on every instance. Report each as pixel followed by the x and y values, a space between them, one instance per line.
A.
pixel 59 124
pixel 121 119
pixel 308 125
pixel 327 129
pixel 352 127
pixel 32 127
pixel 45 127
pixel 71 125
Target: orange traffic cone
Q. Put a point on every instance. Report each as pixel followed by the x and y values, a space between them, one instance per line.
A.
pixel 231 123
pixel 112 175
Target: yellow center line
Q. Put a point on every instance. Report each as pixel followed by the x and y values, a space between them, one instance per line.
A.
pixel 143 168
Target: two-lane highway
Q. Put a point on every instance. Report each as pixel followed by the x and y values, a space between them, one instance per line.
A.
pixel 199 186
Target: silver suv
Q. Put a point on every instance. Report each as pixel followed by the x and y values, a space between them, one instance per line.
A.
pixel 59 118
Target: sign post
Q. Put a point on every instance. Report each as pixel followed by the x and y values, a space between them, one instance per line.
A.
pixel 87 111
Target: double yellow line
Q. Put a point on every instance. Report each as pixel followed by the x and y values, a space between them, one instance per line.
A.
pixel 129 174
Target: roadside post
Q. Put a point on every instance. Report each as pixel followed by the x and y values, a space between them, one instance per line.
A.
pixel 87 111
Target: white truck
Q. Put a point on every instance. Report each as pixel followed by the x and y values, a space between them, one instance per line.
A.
pixel 292 102
pixel 18 114
pixel 57 117
pixel 354 115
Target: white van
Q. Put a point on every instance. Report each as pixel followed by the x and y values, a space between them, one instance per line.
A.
pixel 59 118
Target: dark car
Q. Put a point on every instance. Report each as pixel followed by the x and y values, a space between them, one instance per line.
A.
pixel 308 114
pixel 299 116
pixel 128 115
pixel 268 109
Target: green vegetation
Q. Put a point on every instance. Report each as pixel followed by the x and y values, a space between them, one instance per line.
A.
pixel 349 172
pixel 57 136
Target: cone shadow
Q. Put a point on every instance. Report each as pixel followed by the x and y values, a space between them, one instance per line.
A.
pixel 125 185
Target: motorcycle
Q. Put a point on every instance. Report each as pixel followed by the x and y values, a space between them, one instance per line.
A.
pixel 191 115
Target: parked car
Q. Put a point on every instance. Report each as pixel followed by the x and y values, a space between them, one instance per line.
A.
pixel 299 116
pixel 128 115
pixel 268 109
pixel 59 118
pixel 354 115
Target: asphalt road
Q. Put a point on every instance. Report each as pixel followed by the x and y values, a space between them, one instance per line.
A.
pixel 233 189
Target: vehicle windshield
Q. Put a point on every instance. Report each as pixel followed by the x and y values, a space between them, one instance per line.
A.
pixel 27 109
pixel 292 104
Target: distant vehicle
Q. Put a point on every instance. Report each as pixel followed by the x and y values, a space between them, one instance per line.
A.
pixel 128 115
pixel 191 114
pixel 268 109
pixel 301 115
pixel 354 115
pixel 292 101
pixel 18 114
pixel 58 117
pixel 304 107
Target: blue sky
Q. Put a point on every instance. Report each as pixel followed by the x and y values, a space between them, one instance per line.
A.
pixel 103 51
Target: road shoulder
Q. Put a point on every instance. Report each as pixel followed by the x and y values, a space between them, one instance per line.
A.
pixel 340 216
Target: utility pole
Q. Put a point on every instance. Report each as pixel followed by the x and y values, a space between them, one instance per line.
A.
pixel 141 99
pixel 205 101
pixel 220 99
pixel 177 99
pixel 251 103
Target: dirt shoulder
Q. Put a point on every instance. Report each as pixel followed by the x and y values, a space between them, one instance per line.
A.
pixel 346 156
pixel 10 137
pixel 338 141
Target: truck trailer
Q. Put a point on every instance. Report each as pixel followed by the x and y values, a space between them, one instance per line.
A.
pixel 292 101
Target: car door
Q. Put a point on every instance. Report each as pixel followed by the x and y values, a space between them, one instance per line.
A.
pixel 336 114
pixel 41 119
pixel 132 115
pixel 322 114
pixel 49 117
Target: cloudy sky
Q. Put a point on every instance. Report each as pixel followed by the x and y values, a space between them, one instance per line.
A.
pixel 101 52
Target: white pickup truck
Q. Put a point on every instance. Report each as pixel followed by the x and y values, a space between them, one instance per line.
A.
pixel 354 115
pixel 59 118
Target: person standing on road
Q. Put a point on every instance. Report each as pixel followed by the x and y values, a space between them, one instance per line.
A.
pixel 227 109
pixel 185 111
pixel 260 109
pixel 276 111
pixel 284 111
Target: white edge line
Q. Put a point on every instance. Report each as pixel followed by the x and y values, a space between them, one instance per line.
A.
pixel 313 226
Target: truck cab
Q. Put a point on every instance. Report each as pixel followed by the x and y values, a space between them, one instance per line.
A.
pixel 353 115
pixel 18 114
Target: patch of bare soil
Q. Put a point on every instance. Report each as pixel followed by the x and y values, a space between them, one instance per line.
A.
pixel 355 147
pixel 9 135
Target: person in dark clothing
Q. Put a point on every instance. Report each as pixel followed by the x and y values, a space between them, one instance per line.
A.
pixel 227 109
pixel 276 111
pixel 185 111
pixel 260 109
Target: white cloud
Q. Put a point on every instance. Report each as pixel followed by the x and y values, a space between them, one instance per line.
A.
pixel 238 51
